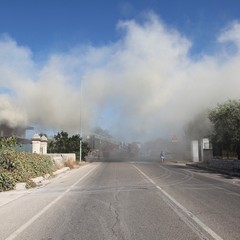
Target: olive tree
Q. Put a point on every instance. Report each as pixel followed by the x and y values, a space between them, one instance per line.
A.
pixel 226 126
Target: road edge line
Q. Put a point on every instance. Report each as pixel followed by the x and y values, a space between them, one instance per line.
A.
pixel 187 212
pixel 36 216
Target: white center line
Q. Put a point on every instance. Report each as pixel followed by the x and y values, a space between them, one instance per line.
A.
pixel 183 209
pixel 35 217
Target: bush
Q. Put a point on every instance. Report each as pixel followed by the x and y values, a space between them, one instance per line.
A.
pixel 7 181
pixel 21 167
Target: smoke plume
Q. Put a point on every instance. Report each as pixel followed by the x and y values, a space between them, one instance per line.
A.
pixel 145 85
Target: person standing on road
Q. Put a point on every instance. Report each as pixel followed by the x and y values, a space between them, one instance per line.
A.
pixel 162 156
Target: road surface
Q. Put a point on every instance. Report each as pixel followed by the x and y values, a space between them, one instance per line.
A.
pixel 127 200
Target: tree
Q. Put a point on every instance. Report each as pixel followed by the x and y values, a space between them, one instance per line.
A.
pixel 62 143
pixel 226 126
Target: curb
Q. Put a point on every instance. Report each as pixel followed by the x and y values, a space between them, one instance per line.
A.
pixel 20 189
pixel 61 170
pixel 39 180
pixel 217 170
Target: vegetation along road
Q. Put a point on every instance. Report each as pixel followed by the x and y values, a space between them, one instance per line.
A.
pixel 127 200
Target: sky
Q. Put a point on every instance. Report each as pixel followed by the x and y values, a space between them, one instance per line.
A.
pixel 145 67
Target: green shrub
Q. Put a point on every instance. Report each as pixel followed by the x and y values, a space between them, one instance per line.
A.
pixel 30 184
pixel 7 181
pixel 21 167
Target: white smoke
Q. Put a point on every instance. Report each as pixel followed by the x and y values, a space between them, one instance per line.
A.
pixel 11 114
pixel 142 86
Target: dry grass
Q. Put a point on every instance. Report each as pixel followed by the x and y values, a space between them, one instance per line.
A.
pixel 59 166
pixel 70 163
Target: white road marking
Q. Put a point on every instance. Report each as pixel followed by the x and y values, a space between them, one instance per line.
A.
pixel 34 218
pixel 183 209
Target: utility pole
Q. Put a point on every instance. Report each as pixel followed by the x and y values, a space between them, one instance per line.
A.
pixel 81 98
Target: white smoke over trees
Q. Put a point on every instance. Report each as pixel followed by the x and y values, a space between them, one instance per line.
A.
pixel 145 85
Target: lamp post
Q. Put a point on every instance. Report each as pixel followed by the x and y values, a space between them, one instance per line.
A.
pixel 81 97
pixel 80 152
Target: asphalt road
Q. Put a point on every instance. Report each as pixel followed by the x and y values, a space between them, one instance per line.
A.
pixel 124 200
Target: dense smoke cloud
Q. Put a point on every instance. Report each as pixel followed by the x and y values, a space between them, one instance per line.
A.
pixel 143 86
pixel 11 114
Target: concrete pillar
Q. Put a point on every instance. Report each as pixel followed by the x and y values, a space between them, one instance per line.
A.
pixel 205 143
pixel 43 145
pixel 206 149
pixel 195 151
pixel 36 142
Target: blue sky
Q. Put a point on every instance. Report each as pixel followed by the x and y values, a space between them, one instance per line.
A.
pixel 60 24
pixel 149 66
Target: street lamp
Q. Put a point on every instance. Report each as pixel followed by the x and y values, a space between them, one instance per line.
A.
pixel 80 152
pixel 81 97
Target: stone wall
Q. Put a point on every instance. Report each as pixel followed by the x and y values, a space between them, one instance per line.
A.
pixel 207 155
pixel 61 158
pixel 230 165
pixel 224 166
